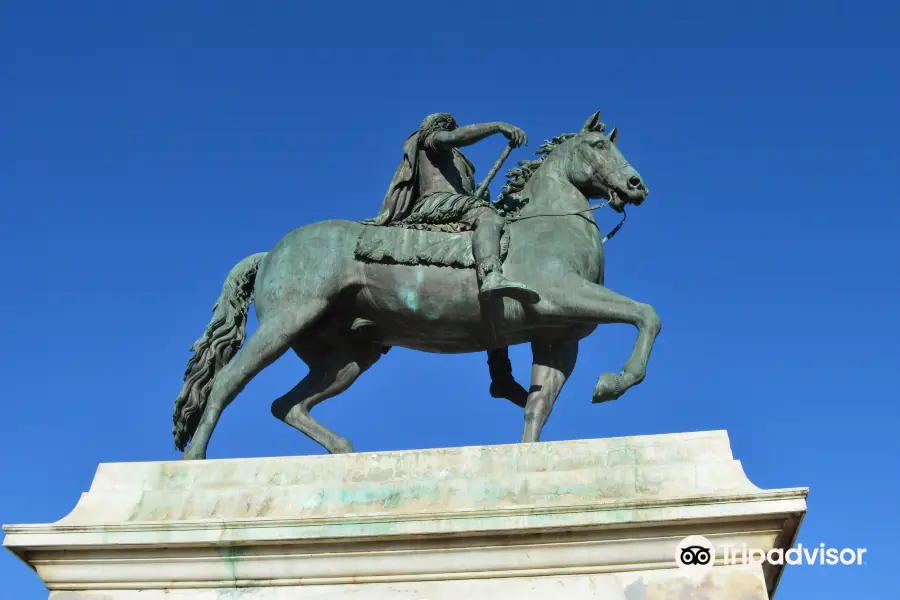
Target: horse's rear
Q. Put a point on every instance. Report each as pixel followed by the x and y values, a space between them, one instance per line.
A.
pixel 309 270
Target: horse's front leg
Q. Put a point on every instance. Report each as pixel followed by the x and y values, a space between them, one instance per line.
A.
pixel 552 366
pixel 584 301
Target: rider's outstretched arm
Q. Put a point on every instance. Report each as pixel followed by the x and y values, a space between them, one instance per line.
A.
pixel 470 134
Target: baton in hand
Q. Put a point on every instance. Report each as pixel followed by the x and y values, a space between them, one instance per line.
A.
pixel 493 172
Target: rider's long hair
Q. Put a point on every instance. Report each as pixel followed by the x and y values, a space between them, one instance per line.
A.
pixel 437 122
pixel 222 339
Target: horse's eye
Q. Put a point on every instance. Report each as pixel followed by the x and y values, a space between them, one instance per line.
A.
pixel 601 143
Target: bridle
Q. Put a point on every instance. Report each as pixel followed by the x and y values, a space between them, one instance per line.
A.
pixel 579 213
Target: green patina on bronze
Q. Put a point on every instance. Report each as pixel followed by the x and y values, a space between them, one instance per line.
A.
pixel 340 313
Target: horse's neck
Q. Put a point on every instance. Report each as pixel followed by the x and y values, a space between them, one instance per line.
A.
pixel 550 191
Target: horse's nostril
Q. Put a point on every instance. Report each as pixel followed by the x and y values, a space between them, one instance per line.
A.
pixel 634 181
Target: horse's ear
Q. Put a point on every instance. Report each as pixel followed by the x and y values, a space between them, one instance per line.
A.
pixel 592 123
pixel 614 135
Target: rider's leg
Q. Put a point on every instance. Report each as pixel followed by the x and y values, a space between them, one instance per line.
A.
pixel 486 249
pixel 486 238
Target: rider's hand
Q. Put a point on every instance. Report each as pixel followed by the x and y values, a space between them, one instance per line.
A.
pixel 513 134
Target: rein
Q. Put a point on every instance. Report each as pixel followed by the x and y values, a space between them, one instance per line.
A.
pixel 579 213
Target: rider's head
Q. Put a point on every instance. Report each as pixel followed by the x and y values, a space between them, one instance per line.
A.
pixel 438 122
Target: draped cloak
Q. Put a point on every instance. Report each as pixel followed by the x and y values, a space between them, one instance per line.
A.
pixel 403 193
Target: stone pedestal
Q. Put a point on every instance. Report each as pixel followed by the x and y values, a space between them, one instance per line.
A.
pixel 580 519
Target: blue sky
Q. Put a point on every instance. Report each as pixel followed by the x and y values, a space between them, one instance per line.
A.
pixel 147 147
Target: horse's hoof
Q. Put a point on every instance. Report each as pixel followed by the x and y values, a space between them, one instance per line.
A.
pixel 511 390
pixel 341 446
pixel 609 387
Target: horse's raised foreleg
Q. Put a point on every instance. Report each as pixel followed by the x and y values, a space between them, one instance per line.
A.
pixel 552 366
pixel 583 301
pixel 331 371
pixel 265 346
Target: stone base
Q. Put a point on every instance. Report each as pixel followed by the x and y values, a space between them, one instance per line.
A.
pixel 579 519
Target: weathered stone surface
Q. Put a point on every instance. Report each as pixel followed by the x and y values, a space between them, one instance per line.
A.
pixel 443 479
pixel 730 584
pixel 587 518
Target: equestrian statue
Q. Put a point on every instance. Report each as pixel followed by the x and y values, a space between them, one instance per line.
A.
pixel 440 269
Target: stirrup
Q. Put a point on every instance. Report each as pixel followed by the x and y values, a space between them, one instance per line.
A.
pixel 497 285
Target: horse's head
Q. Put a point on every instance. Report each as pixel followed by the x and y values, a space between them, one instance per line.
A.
pixel 599 170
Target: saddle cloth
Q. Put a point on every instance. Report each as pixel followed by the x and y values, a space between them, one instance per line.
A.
pixel 405 246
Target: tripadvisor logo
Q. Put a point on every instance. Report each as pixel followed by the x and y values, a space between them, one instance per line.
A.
pixel 696 554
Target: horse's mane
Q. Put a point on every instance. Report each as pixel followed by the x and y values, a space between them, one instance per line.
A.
pixel 509 201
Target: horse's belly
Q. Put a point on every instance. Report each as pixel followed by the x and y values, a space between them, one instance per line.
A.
pixel 434 309
pixel 451 341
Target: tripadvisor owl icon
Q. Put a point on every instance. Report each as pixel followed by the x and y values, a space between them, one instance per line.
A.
pixel 695 554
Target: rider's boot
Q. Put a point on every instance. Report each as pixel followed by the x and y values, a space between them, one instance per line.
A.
pixel 486 249
pixel 493 283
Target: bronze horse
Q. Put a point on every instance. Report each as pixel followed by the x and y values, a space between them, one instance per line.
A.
pixel 339 313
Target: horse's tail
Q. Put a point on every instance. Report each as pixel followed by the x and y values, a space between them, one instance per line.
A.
pixel 224 335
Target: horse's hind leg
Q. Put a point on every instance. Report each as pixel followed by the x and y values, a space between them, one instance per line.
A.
pixel 332 369
pixel 265 346
pixel 553 364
